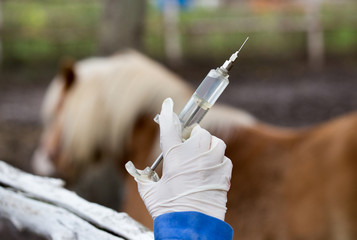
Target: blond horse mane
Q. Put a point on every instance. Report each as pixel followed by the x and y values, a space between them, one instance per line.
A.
pixel 111 93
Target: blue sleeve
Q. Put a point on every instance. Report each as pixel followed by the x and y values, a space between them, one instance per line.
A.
pixel 191 225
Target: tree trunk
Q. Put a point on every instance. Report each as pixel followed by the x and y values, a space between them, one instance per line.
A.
pixel 122 25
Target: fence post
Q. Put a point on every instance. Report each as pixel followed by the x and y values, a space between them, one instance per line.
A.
pixel 171 31
pixel 315 35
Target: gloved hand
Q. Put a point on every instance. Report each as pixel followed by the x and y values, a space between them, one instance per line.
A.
pixel 196 174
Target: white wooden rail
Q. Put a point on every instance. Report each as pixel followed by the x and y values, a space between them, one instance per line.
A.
pixel 41 205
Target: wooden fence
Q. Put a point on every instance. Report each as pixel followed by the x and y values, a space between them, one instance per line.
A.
pixel 310 23
pixel 81 38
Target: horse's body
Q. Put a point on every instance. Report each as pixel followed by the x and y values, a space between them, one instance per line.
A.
pixel 286 184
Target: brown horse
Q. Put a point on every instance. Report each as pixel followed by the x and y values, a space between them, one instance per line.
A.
pixel 286 183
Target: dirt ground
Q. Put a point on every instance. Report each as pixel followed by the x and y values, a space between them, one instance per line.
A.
pixel 292 96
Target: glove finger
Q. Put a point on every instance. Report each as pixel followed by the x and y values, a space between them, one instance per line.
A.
pixel 227 170
pixel 214 156
pixel 218 149
pixel 183 158
pixel 218 174
pixel 170 126
pixel 189 152
pixel 199 141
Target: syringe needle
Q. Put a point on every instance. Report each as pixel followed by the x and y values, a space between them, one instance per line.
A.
pixel 235 55
pixel 243 44
pixel 228 64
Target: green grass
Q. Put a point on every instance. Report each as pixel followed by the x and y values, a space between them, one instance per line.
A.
pixel 47 30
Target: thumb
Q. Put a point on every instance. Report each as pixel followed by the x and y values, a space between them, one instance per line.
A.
pixel 170 126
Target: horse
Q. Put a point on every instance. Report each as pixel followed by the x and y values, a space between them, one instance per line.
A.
pixel 286 183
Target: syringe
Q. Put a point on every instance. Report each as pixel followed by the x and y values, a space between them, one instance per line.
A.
pixel 201 101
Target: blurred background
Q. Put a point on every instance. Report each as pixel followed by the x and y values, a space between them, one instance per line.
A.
pixel 299 67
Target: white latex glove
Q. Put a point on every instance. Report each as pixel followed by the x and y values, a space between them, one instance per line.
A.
pixel 196 174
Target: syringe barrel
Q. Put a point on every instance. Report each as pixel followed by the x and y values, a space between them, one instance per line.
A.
pixel 204 97
pixel 201 101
